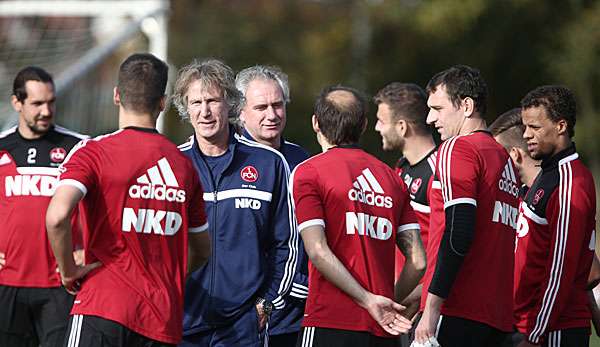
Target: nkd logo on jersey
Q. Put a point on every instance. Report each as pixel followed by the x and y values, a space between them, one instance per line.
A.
pixel 149 221
pixel 31 181
pixel 159 183
pixel 375 227
pixel 367 190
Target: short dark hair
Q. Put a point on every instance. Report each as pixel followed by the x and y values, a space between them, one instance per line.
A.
pixel 29 73
pixel 510 126
pixel 461 81
pixel 341 121
pixel 558 101
pixel 407 101
pixel 142 82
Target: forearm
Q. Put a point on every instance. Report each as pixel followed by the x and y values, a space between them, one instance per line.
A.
pixel 335 272
pixel 407 282
pixel 199 250
pixel 60 238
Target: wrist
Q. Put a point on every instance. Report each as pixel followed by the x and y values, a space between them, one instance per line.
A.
pixel 264 306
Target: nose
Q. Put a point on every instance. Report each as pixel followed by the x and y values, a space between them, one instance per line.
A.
pixel 204 110
pixel 271 114
pixel 431 117
pixel 378 126
pixel 45 110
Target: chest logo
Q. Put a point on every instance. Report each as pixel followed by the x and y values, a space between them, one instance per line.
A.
pixel 249 174
pixel 416 184
pixel 57 154
pixel 538 196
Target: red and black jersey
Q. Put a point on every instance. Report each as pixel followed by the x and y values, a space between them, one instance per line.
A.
pixel 555 248
pixel 474 169
pixel 362 204
pixel 142 196
pixel 418 179
pixel 28 175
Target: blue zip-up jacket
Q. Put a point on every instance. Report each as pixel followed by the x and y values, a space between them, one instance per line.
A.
pixel 253 235
pixel 289 318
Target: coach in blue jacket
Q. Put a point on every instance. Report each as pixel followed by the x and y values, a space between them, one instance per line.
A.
pixel 254 241
pixel 266 93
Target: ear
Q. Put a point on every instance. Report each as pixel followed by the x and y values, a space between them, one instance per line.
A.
pixel 516 155
pixel 315 124
pixel 116 97
pixel 468 106
pixel 562 127
pixel 163 103
pixel 401 127
pixel 16 104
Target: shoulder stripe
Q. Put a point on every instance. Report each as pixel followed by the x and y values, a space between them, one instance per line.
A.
pixel 562 232
pixel 187 145
pixel 8 131
pixel 66 131
pixel 420 207
pixel 469 201
pixel 444 163
pixel 534 217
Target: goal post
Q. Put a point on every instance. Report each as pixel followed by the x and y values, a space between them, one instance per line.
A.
pixel 75 40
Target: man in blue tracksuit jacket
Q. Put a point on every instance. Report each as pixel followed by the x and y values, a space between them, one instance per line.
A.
pixel 266 93
pixel 251 224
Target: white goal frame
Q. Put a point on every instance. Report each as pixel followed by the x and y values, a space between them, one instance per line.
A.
pixel 148 17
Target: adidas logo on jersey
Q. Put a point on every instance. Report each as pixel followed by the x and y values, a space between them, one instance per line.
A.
pixel 158 183
pixel 508 182
pixel 367 190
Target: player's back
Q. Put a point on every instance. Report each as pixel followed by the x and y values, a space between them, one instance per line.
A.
pixel 363 203
pixel 136 211
pixel 475 169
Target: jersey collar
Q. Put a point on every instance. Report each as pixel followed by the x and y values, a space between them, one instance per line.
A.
pixel 146 130
pixel 558 158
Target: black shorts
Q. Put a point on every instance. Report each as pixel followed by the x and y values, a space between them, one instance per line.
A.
pixel 574 337
pixel 460 332
pixel 325 337
pixel 32 316
pixel 92 331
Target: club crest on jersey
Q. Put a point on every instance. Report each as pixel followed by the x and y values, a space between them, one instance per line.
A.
pixel 249 174
pixel 538 196
pixel 367 190
pixel 57 154
pixel 416 184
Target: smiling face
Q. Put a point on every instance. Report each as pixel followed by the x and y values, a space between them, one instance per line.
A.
pixel 447 118
pixel 208 112
pixel 386 127
pixel 36 112
pixel 541 133
pixel 264 113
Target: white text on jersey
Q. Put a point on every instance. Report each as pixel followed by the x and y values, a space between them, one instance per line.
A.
pixel 34 185
pixel 372 226
pixel 149 221
pixel 367 190
pixel 506 214
pixel 247 203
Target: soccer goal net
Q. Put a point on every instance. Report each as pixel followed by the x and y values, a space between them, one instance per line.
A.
pixel 81 43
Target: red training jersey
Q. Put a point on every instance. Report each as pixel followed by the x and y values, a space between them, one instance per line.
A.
pixel 142 196
pixel 362 204
pixel 418 179
pixel 555 248
pixel 474 169
pixel 28 176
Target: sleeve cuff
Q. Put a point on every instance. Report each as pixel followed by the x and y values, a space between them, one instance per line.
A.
pixel 73 183
pixel 310 223
pixel 200 229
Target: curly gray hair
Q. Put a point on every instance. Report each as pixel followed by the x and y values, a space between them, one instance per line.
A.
pixel 212 73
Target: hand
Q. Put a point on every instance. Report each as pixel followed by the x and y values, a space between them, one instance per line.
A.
pixel 427 325
pixel 2 260
pixel 388 314
pixel 79 256
pixel 526 343
pixel 73 283
pixel 262 317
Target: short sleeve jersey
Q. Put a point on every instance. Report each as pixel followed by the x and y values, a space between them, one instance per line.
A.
pixel 474 169
pixel 418 179
pixel 142 196
pixel 362 204
pixel 555 248
pixel 28 176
